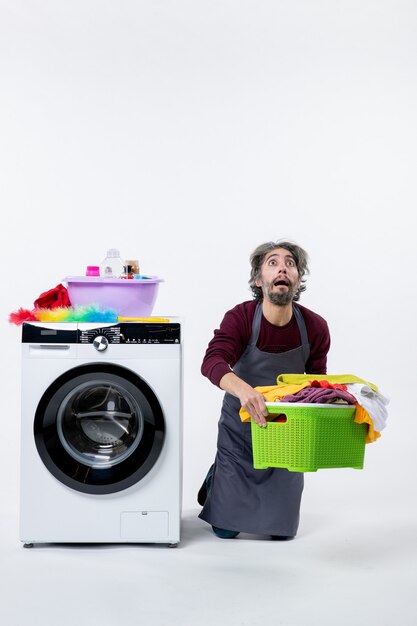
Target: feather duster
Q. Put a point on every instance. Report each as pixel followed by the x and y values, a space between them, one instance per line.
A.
pixel 88 313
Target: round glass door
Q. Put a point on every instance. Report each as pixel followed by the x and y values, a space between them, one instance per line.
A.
pixel 99 428
pixel 100 423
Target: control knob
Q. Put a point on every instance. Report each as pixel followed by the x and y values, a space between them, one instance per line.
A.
pixel 100 343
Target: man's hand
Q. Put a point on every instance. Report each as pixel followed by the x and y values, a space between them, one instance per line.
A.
pixel 250 399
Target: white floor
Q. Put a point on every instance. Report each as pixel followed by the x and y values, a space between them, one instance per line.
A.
pixel 354 561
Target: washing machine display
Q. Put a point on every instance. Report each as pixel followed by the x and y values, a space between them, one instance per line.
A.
pixel 101 437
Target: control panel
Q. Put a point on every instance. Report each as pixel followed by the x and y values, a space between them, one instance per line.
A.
pixel 129 333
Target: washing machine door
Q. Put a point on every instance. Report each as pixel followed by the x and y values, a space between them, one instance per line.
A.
pixel 99 428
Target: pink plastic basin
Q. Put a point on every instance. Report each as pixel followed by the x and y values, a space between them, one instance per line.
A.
pixel 128 297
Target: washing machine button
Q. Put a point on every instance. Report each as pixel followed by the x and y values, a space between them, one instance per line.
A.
pixel 100 343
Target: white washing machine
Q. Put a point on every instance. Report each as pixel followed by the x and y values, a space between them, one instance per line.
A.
pixel 101 436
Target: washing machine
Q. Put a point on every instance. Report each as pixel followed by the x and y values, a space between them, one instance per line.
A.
pixel 101 433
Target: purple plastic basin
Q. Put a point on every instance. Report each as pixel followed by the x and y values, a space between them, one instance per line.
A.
pixel 128 297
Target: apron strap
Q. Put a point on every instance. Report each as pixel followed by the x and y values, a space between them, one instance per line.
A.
pixel 303 332
pixel 256 327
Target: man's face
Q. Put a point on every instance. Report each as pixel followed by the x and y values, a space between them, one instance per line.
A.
pixel 278 278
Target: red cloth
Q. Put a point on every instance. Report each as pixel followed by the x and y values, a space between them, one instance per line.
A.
pixel 58 296
pixel 327 385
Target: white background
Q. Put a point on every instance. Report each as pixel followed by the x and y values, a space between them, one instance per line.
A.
pixel 185 133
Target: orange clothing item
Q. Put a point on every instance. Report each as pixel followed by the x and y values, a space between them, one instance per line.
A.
pixel 362 416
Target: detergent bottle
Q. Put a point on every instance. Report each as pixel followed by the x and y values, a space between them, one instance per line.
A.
pixel 112 266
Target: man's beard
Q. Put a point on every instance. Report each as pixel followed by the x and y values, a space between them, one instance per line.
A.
pixel 280 299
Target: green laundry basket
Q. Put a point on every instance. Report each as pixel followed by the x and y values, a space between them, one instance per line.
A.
pixel 309 437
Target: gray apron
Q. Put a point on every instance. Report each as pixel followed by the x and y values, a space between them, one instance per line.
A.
pixel 241 498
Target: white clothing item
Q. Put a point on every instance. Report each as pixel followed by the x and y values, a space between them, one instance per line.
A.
pixel 372 401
